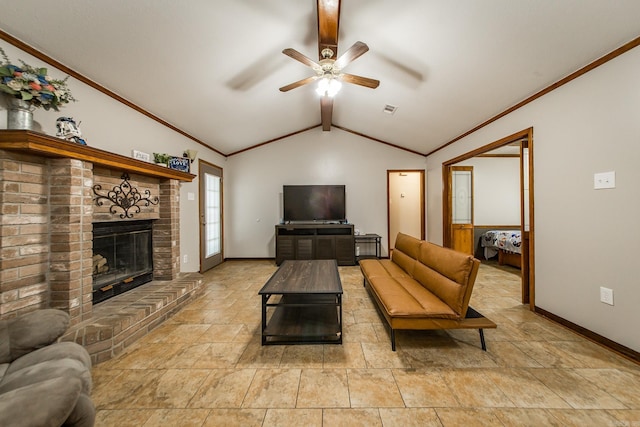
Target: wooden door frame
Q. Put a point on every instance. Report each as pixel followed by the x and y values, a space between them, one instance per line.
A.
pixel 201 212
pixel 422 198
pixel 528 293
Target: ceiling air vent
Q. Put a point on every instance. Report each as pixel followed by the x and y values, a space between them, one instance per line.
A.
pixel 389 109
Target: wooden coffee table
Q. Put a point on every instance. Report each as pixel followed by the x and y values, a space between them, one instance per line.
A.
pixel 302 304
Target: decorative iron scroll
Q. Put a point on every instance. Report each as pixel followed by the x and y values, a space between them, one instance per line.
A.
pixel 125 197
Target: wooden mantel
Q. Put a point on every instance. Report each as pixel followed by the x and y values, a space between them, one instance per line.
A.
pixel 48 146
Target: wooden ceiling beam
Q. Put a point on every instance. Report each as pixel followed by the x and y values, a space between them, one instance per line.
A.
pixel 326 111
pixel 328 23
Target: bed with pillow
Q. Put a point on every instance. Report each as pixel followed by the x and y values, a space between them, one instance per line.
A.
pixel 506 244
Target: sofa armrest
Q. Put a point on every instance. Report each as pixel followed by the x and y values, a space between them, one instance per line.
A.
pixel 30 332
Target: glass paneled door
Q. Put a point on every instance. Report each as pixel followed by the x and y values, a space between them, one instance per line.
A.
pixel 210 181
pixel 461 193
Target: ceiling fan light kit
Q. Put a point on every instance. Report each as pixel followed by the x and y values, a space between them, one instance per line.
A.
pixel 328 86
pixel 328 70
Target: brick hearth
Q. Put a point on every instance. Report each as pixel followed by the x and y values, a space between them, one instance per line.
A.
pixel 47 207
pixel 120 321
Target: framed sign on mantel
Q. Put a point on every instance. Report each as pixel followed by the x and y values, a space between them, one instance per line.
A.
pixel 179 163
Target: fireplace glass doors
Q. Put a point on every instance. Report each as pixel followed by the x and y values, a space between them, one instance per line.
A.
pixel 122 257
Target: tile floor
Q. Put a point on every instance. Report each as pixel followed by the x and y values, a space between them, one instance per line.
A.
pixel 205 367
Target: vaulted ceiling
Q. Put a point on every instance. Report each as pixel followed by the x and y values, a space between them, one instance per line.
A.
pixel 213 68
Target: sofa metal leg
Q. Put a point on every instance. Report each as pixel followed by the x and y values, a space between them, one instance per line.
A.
pixel 484 346
pixel 393 340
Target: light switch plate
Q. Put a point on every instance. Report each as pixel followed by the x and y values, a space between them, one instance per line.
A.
pixel 604 180
pixel 606 295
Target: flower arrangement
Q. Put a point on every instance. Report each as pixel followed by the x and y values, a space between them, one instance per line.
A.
pixel 33 85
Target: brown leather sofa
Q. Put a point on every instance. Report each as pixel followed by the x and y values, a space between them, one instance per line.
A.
pixel 424 286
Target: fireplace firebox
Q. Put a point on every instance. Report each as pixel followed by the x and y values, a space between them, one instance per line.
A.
pixel 122 257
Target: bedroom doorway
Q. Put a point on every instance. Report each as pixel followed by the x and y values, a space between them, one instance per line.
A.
pixel 522 143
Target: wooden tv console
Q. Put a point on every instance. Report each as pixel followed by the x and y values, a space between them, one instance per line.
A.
pixel 315 241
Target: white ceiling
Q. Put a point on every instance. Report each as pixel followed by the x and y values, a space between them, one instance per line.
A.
pixel 212 68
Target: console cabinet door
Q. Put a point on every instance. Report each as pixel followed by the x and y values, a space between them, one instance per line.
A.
pixel 345 250
pixel 285 248
pixel 325 247
pixel 304 248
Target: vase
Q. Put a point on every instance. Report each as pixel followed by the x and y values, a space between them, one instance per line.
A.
pixel 19 114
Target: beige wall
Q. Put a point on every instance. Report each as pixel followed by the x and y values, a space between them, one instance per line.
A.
pixel 584 238
pixel 496 190
pixel 253 186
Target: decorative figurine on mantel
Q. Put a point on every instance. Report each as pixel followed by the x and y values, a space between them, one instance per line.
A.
pixel 69 130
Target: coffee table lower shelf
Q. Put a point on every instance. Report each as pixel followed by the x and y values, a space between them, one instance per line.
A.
pixel 303 319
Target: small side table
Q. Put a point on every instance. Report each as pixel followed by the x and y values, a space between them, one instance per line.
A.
pixel 369 246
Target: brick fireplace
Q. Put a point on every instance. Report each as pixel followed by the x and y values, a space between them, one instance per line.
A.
pixel 48 208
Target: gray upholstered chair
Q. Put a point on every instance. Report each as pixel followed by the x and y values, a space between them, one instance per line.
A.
pixel 43 382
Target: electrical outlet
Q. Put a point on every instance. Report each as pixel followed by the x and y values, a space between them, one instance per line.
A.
pixel 606 295
pixel 185 258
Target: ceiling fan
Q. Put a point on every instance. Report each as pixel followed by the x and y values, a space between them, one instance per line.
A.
pixel 329 68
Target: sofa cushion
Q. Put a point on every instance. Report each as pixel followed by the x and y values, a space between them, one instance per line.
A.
pixel 47 403
pixel 455 265
pixel 404 297
pixel 432 305
pixel 405 252
pixel 30 375
pixel 408 244
pixel 63 352
pixel 55 351
pixel 374 268
pixel 26 333
pixel 83 414
pixel 450 292
pixel 3 369
pixel 403 261
pixel 44 383
pixel 393 269
pixel 5 342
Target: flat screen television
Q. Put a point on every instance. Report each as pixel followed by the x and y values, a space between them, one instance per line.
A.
pixel 314 203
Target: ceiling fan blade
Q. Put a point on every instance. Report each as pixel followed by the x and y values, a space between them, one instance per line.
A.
pixel 326 111
pixel 359 80
pixel 328 21
pixel 297 84
pixel 300 57
pixel 354 52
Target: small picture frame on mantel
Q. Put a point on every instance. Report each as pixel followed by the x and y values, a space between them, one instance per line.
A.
pixel 141 155
pixel 179 163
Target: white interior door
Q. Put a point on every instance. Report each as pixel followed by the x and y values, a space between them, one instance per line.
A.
pixel 405 204
pixel 211 242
